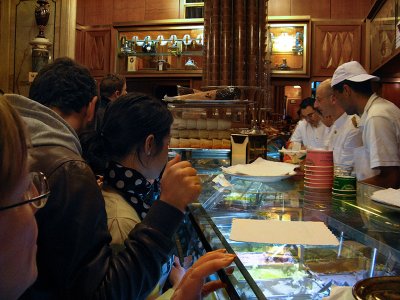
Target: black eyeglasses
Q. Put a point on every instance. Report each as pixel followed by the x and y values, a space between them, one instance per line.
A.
pixel 38 186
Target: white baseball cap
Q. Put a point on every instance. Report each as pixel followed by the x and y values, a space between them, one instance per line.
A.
pixel 352 71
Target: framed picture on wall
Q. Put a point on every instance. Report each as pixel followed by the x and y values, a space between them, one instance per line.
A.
pixel 289 48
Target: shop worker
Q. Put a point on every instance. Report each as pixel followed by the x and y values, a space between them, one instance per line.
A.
pixel 377 161
pixel 310 132
pixel 344 135
pixel 74 257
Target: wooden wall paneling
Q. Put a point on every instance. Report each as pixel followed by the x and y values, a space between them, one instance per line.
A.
pixel 279 7
pixel 79 46
pixel 391 91
pixel 129 11
pixel 98 12
pixel 80 12
pixel 313 8
pixel 334 44
pixel 97 51
pixel 354 9
pixel 114 50
pixel 160 10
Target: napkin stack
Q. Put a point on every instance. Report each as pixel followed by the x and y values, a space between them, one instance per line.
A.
pixel 262 167
pixel 388 196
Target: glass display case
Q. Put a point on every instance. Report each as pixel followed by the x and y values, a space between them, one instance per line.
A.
pixel 366 231
pixel 207 124
pixel 169 46
pixel 289 47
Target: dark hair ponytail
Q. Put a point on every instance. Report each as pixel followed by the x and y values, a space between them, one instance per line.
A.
pixel 126 124
pixel 94 150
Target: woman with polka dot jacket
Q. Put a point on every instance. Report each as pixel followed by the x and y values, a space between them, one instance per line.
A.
pixel 130 149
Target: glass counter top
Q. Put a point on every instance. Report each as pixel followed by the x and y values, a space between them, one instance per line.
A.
pixel 368 235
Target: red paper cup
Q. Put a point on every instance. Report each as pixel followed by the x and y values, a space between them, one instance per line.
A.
pixel 319 158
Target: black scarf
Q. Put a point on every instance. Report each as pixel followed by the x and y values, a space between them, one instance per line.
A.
pixel 133 186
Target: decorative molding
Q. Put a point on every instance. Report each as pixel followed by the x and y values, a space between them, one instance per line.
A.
pixel 333 45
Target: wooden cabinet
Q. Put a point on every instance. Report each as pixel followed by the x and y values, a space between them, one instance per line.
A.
pixel 383 26
pixel 383 29
pixel 156 56
pixel 93 49
pixel 326 9
pixel 334 43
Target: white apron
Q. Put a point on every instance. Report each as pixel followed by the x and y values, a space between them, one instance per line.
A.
pixel 362 165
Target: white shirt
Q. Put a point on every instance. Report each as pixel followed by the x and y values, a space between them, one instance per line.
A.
pixel 343 138
pixel 309 136
pixel 380 126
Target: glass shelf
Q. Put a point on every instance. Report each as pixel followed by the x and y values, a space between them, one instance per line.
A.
pixel 160 47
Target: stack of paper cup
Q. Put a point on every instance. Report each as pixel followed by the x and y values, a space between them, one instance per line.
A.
pixel 318 178
pixel 344 183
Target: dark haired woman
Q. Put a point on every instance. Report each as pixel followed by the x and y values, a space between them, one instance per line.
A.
pixel 130 149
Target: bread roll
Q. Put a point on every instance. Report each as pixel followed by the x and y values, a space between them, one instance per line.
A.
pixel 174 143
pixel 201 124
pixel 224 134
pixel 193 134
pixel 179 123
pixel 205 144
pixel 216 144
pixel 212 124
pixel 191 124
pixel 224 124
pixel 194 143
pixel 213 134
pixel 175 133
pixel 184 133
pixel 226 144
pixel 184 143
pixel 203 134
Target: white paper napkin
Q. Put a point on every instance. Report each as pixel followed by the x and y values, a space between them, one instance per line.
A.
pixel 388 196
pixel 261 167
pixel 282 232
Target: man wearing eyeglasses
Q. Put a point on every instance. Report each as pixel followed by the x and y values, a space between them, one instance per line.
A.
pixel 74 258
pixel 310 132
pixel 344 135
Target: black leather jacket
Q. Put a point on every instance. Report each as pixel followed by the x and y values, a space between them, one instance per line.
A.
pixel 74 258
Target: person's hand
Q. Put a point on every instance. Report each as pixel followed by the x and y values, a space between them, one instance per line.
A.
pixel 177 273
pixel 192 286
pixel 180 184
